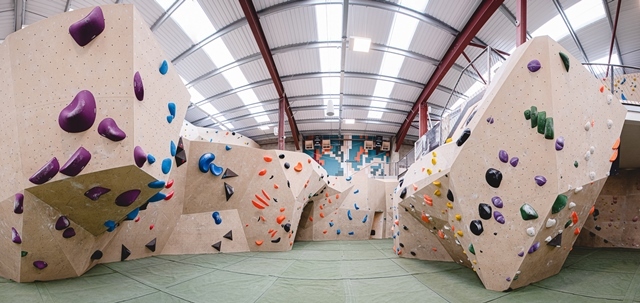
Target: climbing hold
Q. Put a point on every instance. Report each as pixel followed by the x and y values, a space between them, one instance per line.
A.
pixel 330 224
pixel 574 217
pixel 215 169
pixel 18 203
pixel 166 165
pixel 575 164
pixel 514 161
pixel 434 161
pixel 151 245
pixel 157 197
pixel 348 178
pixel 156 184
pixel 565 60
pixel 280 219
pixel 40 264
pixel 139 156
pixel 485 211
pixel 181 154
pixel 403 193
pixel 124 253
pixel 463 138
pixel 46 172
pixel 556 241
pixel 355 205
pixel 262 172
pixel 351 233
pixel 133 214
pixel 110 225
pixel 298 167
pixel 542 118
pixel 127 198
pixel 497 202
pixel 110 130
pixel 259 242
pixel 490 120
pixel 534 65
pixel 76 163
pixel 96 255
pixel 528 212
pixel 228 191
pixel 476 227
pixel 364 220
pixel 503 156
pixel 592 175
pixel 540 180
pixel 80 114
pixel 287 227
pixel 169 196
pixel 587 126
pixel 548 129
pixel 458 217
pixel 531 231
pixel 267 159
pixel 349 215
pixel 170 118
pixel 493 177
pixel 559 143
pixel 68 233
pixel 534 116
pixel 609 123
pixel 229 235
pixel 138 88
pixel 151 159
pixel 498 217
pixel 471 249
pixel 534 247
pixel 216 217
pixel 559 204
pixel 62 223
pixel 172 148
pixel 205 160
pixel 86 29
pixel 527 114
pixel 228 174
pixel 338 231
pixel 15 236
pixel 550 222
pixel 164 67
pixel 356 191
pixel 450 195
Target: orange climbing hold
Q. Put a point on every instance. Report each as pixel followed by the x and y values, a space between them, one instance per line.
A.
pixel 321 207
pixel 281 209
pixel 273 233
pixel 275 186
pixel 440 234
pixel 310 218
pixel 574 217
pixel 262 172
pixel 137 219
pixel 616 144
pixel 397 222
pixel 425 218
pixel 259 242
pixel 576 231
pixel 298 167
pixel 326 194
pixel 263 219
pixel 593 208
pixel 614 156
pixel 321 215
pixel 428 200
pixel 434 249
pixel 309 160
pixel 602 89
pixel 415 187
pixel 268 159
pixel 279 219
pixel 261 199
pixel 266 195
pixel 324 231
pixel 337 196
pixel 329 200
pixel 257 205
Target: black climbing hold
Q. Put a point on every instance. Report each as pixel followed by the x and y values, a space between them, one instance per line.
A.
pixel 97 255
pixel 596 212
pixel 144 206
pixel 403 193
pixel 271 177
pixel 233 133
pixel 23 253
pixel 181 154
pixel 281 156
pixel 217 245
pixel 229 235
pixel 476 227
pixel 287 227
pixel 565 60
pixel 556 241
pixel 463 138
pixel 124 253
pixel 400 182
pixel 228 174
pixel 228 190
pixel 485 211
pixel 598 228
pixel 289 184
pixel 405 227
pixel 450 195
pixel 401 245
pixel 287 165
pixel 413 254
pixel 493 177
pixel 276 240
pixel 151 245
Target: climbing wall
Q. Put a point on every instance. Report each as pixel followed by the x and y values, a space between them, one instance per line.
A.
pixel 508 196
pixel 91 103
pixel 615 218
pixel 625 87
pixel 195 133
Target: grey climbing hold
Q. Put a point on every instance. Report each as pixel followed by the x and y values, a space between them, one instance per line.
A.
pixel 217 245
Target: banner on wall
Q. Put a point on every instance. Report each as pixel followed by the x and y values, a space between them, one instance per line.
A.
pixel 428 142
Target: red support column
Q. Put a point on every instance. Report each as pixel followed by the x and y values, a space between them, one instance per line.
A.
pixel 423 117
pixel 521 19
pixel 281 110
pixel 613 37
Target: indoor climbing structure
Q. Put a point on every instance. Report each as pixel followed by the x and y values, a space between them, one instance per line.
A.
pixel 510 193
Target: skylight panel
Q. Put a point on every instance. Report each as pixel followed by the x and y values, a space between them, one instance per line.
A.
pixel 375 103
pixel 416 5
pixel 374 114
pixel 193 21
pixel 195 95
pixel 402 31
pixel 614 59
pixel 166 4
pixel 349 121
pixel 235 77
pixel 262 119
pixel 221 118
pixel 383 89
pixel 391 64
pixel 248 96
pixel 229 125
pixel 218 52
pixel 329 22
pixel 209 109
pixel 580 15
pixel 256 109
pixel 264 127
pixel 330 59
pixel 331 85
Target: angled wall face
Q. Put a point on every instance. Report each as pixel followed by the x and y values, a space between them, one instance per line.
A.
pixel 522 173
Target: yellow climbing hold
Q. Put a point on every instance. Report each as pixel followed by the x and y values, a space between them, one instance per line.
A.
pixel 434 154
pixel 449 205
pixel 460 233
pixel 433 161
pixel 448 140
pixel 429 172
pixel 437 183
pixel 458 217
pixel 437 193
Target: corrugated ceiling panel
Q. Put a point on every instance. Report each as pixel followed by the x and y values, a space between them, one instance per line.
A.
pixel 270 106
pixel 266 92
pixel 173 40
pixel 37 9
pixel 213 86
pixel 416 70
pixel 430 41
pixel 6 5
pixel 627 33
pixel 393 117
pixel 255 71
pixel 203 122
pixel 309 114
pixel 195 65
pixel 292 26
pixel 440 98
pixel 568 43
pixel 32 18
pixel 499 32
pixel 405 106
pixel 320 127
pixel 297 62
pixel 363 62
pixel 226 103
pixel 7 24
pixel 222 12
pixel 257 132
pixel 150 10
pixel 194 114
pixel 369 22
pixel 450 79
pixel 233 116
pixel 456 13
pixel 351 113
pixel 262 4
pixel 307 102
pixel 592 36
pixel 405 92
pixel 373 128
pixel 303 87
pixel 359 86
pixel 87 3
pixel 357 101
pixel 241 42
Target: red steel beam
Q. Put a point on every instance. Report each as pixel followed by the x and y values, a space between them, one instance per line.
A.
pixel 474 67
pixel 521 18
pixel 479 18
pixel 423 117
pixel 282 106
pixel 484 46
pixel 613 35
pixel 256 28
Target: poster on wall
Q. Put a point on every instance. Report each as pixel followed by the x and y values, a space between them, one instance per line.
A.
pixel 428 142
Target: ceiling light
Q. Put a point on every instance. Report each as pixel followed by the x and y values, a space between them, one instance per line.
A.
pixel 374 115
pixel 330 110
pixel 228 125
pixel 262 119
pixel 360 44
pixel 349 121
pixel 263 127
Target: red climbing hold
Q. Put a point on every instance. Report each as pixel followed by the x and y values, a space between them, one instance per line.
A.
pixel 169 183
pixel 267 159
pixel 257 205
pixel 262 172
pixel 169 196
pixel 266 195
pixel 151 226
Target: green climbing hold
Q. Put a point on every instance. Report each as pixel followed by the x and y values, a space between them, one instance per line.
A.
pixel 534 116
pixel 542 117
pixel 471 249
pixel 24 253
pixel 559 204
pixel 575 163
pixel 548 129
pixel 565 60
pixel 527 212
pixel 527 114
pixel 568 223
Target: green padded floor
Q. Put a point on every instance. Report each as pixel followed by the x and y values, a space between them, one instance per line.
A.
pixel 355 271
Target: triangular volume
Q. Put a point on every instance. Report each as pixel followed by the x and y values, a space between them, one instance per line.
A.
pixel 180 145
pixel 229 235
pixel 228 190
pixel 228 174
pixel 557 241
pixel 151 245
pixel 124 253
pixel 217 245
pixel 181 158
pixel 144 206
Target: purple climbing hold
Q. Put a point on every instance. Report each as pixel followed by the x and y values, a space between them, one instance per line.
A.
pixel 46 173
pixel 68 233
pixel 138 88
pixel 87 28
pixel 95 192
pixel 534 65
pixel 508 279
pixel 521 254
pixel 490 120
pixel 80 114
pixel 15 236
pixel 534 247
pixel 128 197
pixel 76 163
pixel 514 161
pixel 40 264
pixel 497 202
pixel 18 203
pixel 498 216
pixel 62 223
pixel 110 130
pixel 503 156
pixel 540 180
pixel 139 156
pixel 560 143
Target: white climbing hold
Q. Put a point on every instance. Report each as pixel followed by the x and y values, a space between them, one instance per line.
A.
pixel 578 189
pixel 592 149
pixel 606 174
pixel 550 223
pixel 609 98
pixel 592 175
pixel 571 205
pixel 587 126
pixel 548 239
pixel 587 156
pixel 609 124
pixel 531 231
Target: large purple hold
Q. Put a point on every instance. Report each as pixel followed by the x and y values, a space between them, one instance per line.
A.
pixel 46 173
pixel 95 192
pixel 68 233
pixel 18 203
pixel 128 197
pixel 497 202
pixel 40 264
pixel 138 88
pixel 514 161
pixel 62 223
pixel 110 130
pixel 15 236
pixel 540 180
pixel 80 114
pixel 498 216
pixel 559 143
pixel 534 247
pixel 503 156
pixel 87 28
pixel 139 156
pixel 534 65
pixel 76 163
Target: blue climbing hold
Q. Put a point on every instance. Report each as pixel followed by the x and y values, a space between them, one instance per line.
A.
pixel 205 160
pixel 357 191
pixel 355 205
pixel 623 81
pixel 215 169
pixel 156 184
pixel 349 215
pixel 330 224
pixel 151 159
pixel 169 118
pixel 133 214
pixel 166 166
pixel 216 217
pixel 173 148
pixel 227 147
pixel 110 225
pixel 164 67
pixel 623 97
pixel 349 178
pixel 157 197
pixel 172 108
pixel 365 218
pixel 351 233
pixel 338 231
